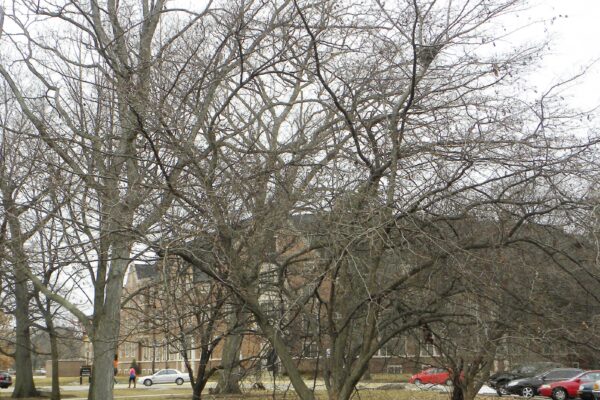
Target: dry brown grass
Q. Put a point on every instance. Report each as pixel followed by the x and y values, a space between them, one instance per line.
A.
pixel 362 395
pixel 184 392
pixel 171 394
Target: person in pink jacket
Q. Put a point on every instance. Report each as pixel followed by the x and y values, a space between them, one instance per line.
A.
pixel 132 377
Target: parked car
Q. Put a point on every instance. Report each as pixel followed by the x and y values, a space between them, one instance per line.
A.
pixel 563 390
pixel 165 376
pixel 528 387
pixel 5 379
pixel 437 376
pixel 585 391
pixel 499 380
pixel 596 390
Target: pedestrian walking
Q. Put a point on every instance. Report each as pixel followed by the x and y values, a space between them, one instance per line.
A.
pixel 115 367
pixel 132 376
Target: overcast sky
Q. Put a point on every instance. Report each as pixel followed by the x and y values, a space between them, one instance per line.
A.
pixel 575 34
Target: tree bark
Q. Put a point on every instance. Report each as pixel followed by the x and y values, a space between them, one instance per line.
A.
pixel 303 391
pixel 47 312
pixel 229 377
pixel 55 395
pixel 24 385
pixel 106 327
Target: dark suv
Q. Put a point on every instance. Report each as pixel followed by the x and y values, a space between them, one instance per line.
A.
pixel 5 379
pixel 499 380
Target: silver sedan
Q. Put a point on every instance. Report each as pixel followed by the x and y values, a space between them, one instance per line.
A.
pixel 165 376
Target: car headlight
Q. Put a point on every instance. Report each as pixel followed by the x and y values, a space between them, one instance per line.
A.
pixel 596 386
pixel 545 387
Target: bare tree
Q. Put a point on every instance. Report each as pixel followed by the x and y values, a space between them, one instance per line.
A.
pixel 185 308
pixel 47 259
pixel 21 176
pixel 96 116
pixel 418 126
pixel 330 146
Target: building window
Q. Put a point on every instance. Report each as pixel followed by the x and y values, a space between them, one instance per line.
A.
pixel 394 369
pixel 147 353
pixel 310 350
pixel 268 277
pixel 396 346
pixel 129 350
pixel 429 350
pixel 270 308
pixel 383 352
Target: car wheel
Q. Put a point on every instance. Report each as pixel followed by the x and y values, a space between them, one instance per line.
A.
pixel 559 394
pixel 527 391
pixel 448 382
pixel 502 390
pixel 179 381
pixel 148 382
pixel 418 382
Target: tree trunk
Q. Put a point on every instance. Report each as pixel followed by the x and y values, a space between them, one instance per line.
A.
pixel 303 391
pixel 24 385
pixel 229 377
pixel 459 384
pixel 55 395
pixel 105 335
pixel 46 311
pixel 198 388
pixel 102 366
pixel 457 393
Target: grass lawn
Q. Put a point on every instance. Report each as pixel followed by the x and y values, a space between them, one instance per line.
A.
pixel 390 378
pixel 74 380
pixel 64 381
pixel 185 394
pixel 140 394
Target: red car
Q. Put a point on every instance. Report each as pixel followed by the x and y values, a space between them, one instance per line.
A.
pixel 568 389
pixel 436 376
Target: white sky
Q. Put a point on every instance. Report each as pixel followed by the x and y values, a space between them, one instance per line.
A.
pixel 575 44
pixel 574 27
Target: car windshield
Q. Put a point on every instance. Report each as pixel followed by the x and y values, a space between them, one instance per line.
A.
pixel 588 376
pixel 536 369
